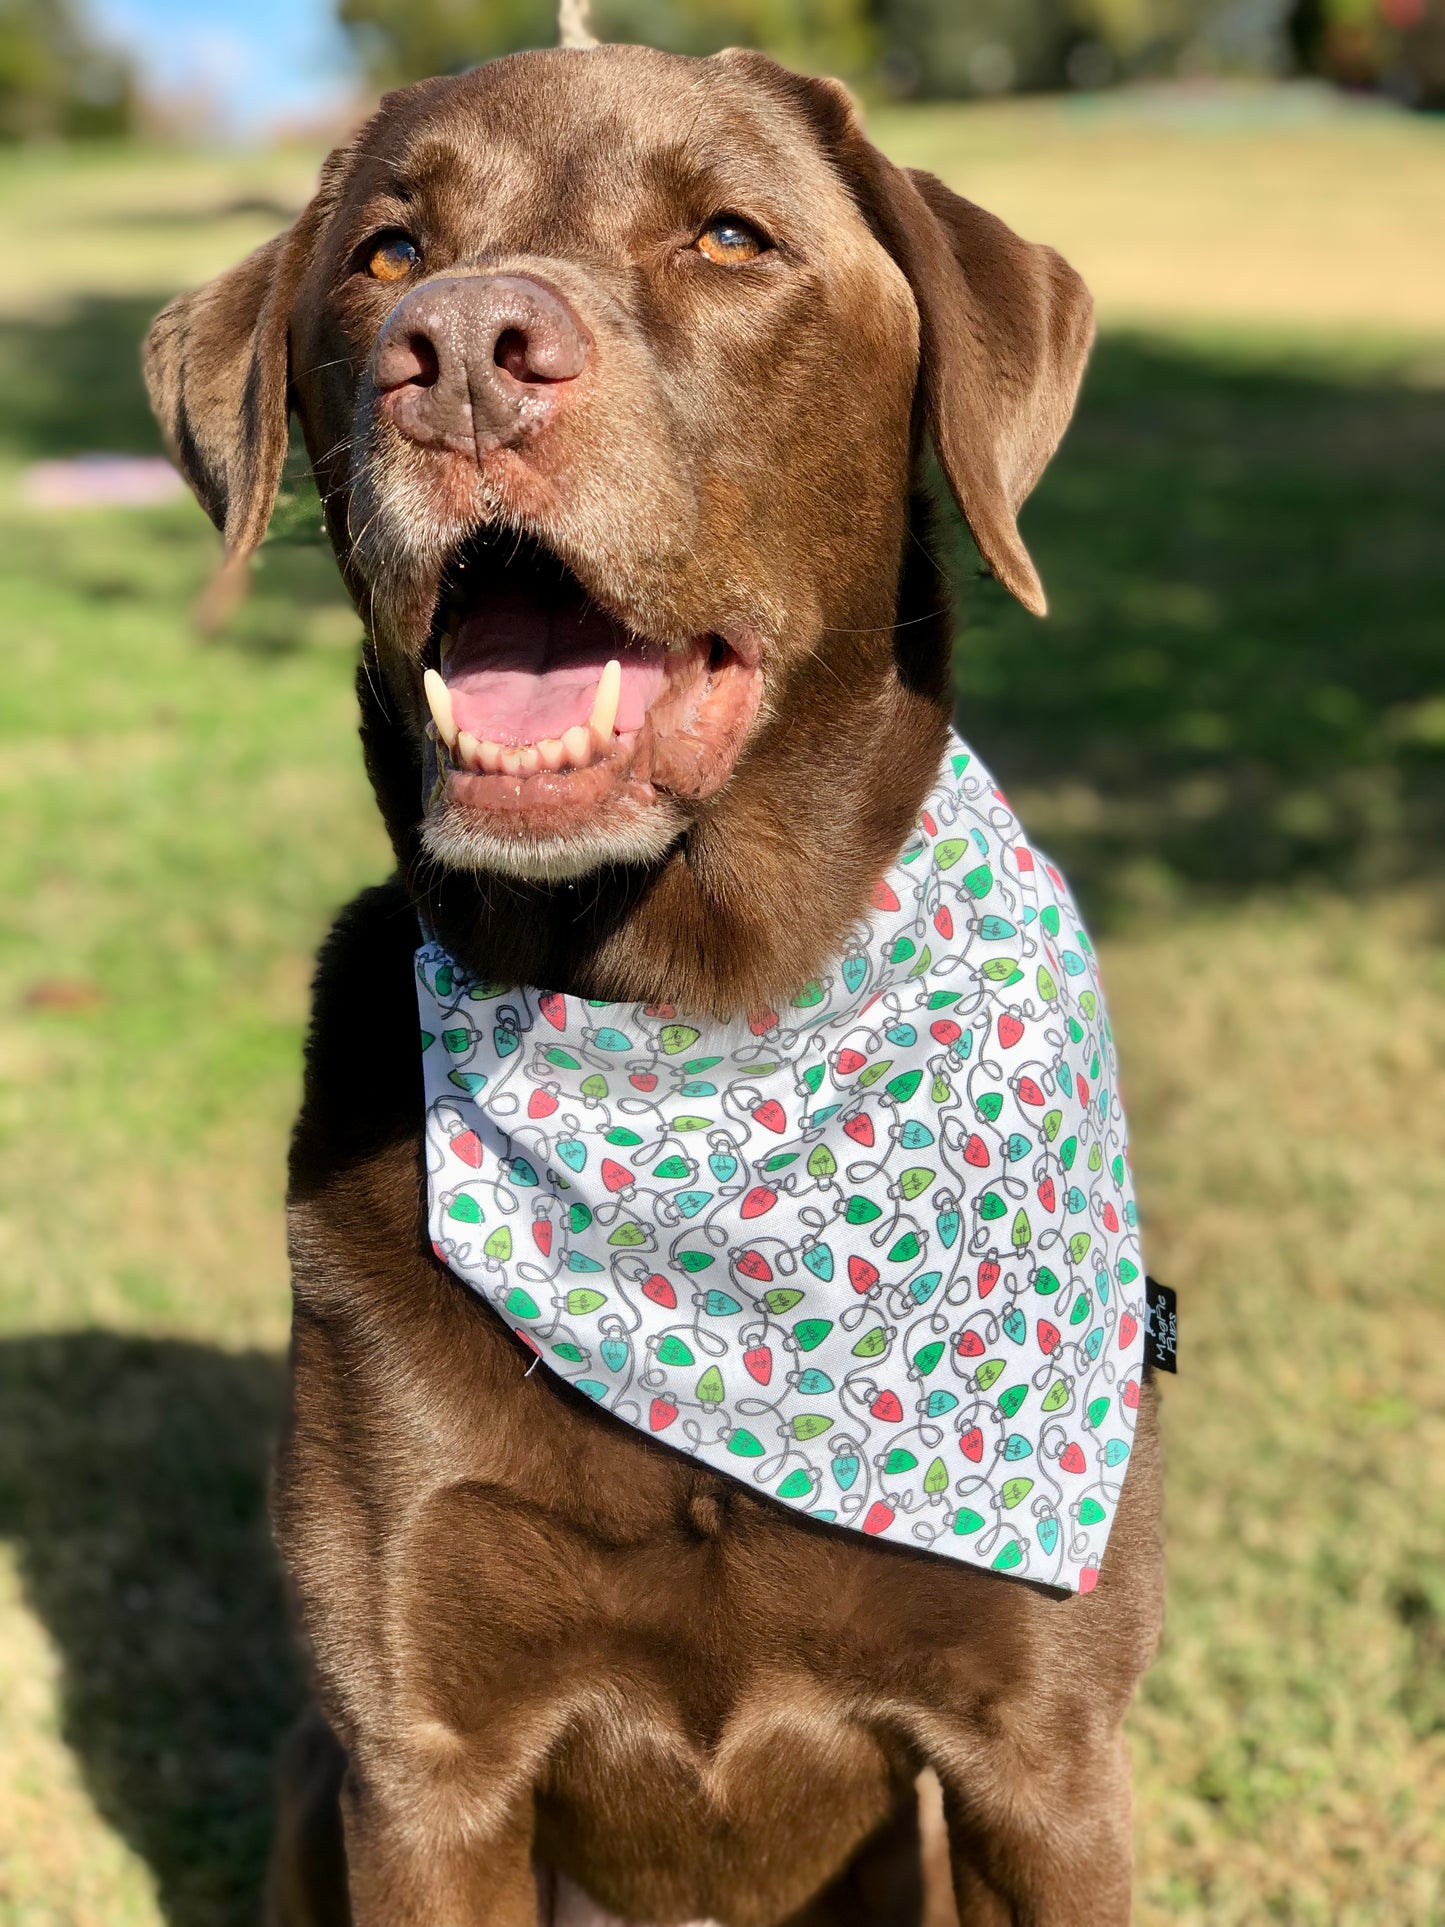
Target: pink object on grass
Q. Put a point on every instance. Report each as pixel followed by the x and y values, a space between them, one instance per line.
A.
pixel 101 481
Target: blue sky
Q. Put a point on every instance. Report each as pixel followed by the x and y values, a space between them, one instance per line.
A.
pixel 261 60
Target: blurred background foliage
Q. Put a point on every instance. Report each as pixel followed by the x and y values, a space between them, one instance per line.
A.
pixel 60 78
pixel 398 41
pixel 954 48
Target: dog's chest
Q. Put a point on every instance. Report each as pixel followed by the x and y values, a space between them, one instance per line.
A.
pixel 786 1771
pixel 677 1688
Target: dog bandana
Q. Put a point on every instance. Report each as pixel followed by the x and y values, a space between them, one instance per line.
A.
pixel 874 1253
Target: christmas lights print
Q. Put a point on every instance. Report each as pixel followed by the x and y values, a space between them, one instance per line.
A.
pixel 875 1253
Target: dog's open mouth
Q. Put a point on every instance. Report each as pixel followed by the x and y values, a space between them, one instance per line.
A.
pixel 543 702
pixel 534 676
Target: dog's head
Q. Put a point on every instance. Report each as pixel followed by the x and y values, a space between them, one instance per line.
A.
pixel 613 368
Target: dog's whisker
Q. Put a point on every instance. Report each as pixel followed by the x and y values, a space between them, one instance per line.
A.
pixel 885 628
pixel 320 367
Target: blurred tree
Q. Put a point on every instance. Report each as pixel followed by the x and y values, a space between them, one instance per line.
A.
pixel 819 36
pixel 951 47
pixel 56 80
pixel 985 47
pixel 1398 45
pixel 401 40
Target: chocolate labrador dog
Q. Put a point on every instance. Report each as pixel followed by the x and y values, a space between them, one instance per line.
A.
pixel 617 372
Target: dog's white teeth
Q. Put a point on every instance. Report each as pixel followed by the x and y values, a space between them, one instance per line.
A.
pixel 577 748
pixel 577 745
pixel 603 719
pixel 439 701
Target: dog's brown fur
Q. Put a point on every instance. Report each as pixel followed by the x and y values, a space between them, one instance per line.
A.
pixel 539 1639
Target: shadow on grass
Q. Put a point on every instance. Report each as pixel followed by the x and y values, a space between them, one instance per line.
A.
pixel 133 1479
pixel 264 207
pixel 73 383
pixel 1241 681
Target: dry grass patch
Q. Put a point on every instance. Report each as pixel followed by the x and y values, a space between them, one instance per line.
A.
pixel 1286 1076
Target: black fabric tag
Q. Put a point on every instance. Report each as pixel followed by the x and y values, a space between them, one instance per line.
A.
pixel 1161 1326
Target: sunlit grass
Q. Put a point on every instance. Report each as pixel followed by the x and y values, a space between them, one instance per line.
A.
pixel 1256 206
pixel 1231 729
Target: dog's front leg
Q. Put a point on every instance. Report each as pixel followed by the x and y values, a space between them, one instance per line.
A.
pixel 424 1850
pixel 1032 1848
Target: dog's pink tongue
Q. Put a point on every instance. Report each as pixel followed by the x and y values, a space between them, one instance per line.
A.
pixel 523 668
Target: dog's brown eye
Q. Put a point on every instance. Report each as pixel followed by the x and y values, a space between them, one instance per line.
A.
pixel 730 242
pixel 392 258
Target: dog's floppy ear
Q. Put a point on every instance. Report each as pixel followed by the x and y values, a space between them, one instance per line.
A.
pixel 216 368
pixel 1005 325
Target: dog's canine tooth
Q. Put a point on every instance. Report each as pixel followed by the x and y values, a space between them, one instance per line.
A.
pixel 439 701
pixel 575 748
pixel 604 704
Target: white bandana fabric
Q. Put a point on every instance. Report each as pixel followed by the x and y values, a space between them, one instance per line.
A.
pixel 875 1253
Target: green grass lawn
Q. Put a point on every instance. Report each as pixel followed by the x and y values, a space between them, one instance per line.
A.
pixel 1232 729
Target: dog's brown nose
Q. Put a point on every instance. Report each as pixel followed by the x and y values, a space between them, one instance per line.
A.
pixel 477 361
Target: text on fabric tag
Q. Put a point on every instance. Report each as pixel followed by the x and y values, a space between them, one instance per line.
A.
pixel 1161 1326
